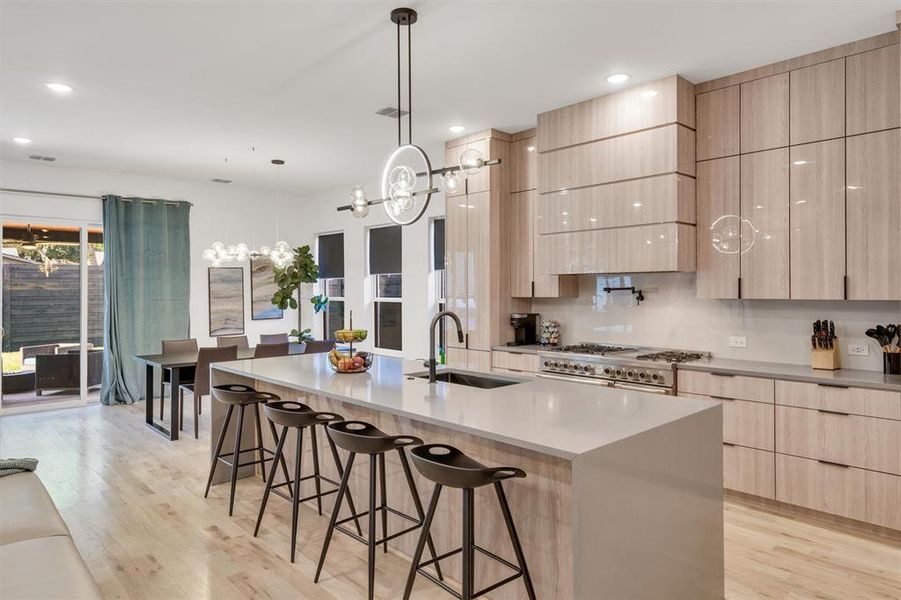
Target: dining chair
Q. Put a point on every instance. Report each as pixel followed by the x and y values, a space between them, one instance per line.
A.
pixel 318 347
pixel 175 347
pixel 269 350
pixel 232 340
pixel 274 338
pixel 201 385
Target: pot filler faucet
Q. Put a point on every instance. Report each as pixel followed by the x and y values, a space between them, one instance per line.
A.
pixel 432 363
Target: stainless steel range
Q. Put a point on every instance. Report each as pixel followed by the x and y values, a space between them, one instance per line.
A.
pixel 628 367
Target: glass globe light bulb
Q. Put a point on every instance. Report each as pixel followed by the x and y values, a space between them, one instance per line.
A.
pixel 451 182
pixel 357 193
pixel 471 162
pixel 401 200
pixel 402 178
pixel 360 211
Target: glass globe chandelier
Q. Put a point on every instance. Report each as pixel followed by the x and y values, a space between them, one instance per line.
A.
pixel 281 254
pixel 408 180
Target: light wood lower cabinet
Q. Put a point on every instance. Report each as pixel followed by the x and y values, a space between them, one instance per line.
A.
pixel 745 423
pixel 850 440
pixel 856 401
pixel 874 212
pixel 514 361
pixel 756 389
pixel 470 360
pixel 749 470
pixel 817 214
pixel 845 491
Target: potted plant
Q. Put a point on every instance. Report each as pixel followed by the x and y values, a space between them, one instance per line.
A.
pixel 289 279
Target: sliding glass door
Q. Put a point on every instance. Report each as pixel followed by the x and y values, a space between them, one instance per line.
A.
pixel 52 313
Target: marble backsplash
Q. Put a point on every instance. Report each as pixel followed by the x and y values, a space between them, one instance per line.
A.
pixel 672 316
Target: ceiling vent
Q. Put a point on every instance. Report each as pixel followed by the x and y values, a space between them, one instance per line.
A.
pixel 220 180
pixel 41 157
pixel 392 112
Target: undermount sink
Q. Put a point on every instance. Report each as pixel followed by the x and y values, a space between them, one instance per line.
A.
pixel 485 382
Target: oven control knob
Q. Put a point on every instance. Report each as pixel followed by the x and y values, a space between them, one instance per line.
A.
pixel 642 375
pixel 630 373
pixel 589 369
pixel 547 363
pixel 655 376
pixel 618 372
pixel 556 364
pixel 607 370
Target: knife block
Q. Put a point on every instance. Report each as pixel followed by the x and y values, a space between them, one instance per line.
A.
pixel 828 359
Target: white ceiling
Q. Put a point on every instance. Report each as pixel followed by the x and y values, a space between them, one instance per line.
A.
pixel 175 88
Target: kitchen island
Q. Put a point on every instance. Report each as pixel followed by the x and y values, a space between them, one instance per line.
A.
pixel 623 497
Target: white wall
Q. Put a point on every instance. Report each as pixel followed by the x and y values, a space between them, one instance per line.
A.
pixel 221 212
pixel 672 316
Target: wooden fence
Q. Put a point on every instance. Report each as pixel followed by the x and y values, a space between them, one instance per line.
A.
pixel 45 310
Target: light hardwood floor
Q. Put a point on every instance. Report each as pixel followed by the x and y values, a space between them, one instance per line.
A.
pixel 135 505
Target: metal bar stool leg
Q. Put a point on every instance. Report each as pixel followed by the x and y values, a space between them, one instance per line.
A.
pixel 423 536
pixel 279 449
pixel 384 503
pixel 276 437
pixel 371 540
pixel 228 418
pixel 468 556
pixel 260 453
pixel 316 481
pixel 417 503
pixel 514 538
pixel 236 460
pixel 350 498
pixel 298 455
pixel 331 525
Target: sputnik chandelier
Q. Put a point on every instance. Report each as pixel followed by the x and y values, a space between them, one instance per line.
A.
pixel 281 254
pixel 407 181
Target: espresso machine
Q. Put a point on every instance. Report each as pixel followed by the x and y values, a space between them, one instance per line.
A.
pixel 525 329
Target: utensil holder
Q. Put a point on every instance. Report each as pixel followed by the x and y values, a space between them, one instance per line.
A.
pixel 827 359
pixel 891 363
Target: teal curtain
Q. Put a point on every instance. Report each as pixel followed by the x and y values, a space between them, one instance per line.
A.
pixel 146 274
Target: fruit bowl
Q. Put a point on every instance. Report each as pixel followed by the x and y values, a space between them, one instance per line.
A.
pixel 345 362
pixel 350 335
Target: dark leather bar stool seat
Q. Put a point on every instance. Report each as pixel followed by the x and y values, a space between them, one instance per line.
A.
pixel 241 396
pixel 448 466
pixel 359 437
pixel 297 416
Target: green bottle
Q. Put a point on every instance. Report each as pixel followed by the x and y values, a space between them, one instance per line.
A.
pixel 442 359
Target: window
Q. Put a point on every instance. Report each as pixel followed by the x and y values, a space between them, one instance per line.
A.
pixel 438 279
pixel 330 254
pixel 387 281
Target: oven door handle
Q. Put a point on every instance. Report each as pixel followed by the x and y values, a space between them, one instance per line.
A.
pixel 641 388
pixel 577 379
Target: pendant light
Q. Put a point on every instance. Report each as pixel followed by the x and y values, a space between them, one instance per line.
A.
pixel 408 180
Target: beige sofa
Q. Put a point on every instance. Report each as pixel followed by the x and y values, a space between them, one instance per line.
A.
pixel 37 556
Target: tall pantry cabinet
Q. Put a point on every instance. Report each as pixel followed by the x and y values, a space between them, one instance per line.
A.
pixel 798 185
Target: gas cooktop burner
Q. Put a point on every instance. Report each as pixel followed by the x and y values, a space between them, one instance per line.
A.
pixel 596 349
pixel 670 356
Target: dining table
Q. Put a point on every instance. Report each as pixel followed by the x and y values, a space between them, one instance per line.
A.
pixel 176 363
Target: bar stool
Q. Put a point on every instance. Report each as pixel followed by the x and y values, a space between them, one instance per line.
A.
pixel 359 437
pixel 241 396
pixel 448 466
pixel 299 416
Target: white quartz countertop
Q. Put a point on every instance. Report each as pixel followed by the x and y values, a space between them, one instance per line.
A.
pixel 549 416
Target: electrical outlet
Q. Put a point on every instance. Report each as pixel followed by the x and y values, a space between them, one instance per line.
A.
pixel 858 350
pixel 738 341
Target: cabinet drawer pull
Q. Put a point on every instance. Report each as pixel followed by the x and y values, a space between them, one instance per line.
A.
pixel 834 385
pixel 723 398
pixel 512 369
pixel 723 374
pixel 514 353
pixel 730 444
pixel 834 464
pixel 833 412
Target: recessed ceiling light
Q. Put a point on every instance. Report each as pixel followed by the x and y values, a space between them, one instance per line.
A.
pixel 22 140
pixel 456 129
pixel 648 93
pixel 56 86
pixel 617 78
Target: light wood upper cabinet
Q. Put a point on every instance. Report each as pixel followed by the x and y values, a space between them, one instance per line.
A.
pixel 669 100
pixel 457 258
pixel 523 165
pixel 479 272
pixel 817 213
pixel 764 212
pixel 818 102
pixel 874 214
pixel 718 187
pixel 718 125
pixel 873 90
pixel 764 113
pixel 483 180
pixel 522 243
pixel 452 158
